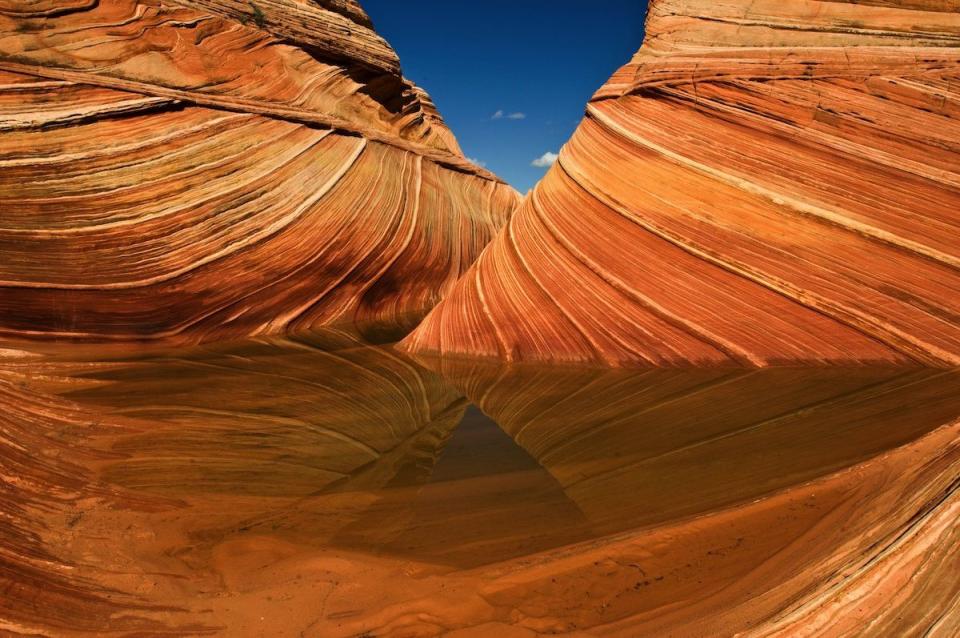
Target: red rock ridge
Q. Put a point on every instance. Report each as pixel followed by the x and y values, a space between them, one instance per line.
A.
pixel 764 183
pixel 207 169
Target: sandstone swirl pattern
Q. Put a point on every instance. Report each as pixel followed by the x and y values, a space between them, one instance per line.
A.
pixel 189 170
pixel 765 182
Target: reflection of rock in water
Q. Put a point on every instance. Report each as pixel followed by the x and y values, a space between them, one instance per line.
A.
pixel 488 500
pixel 43 486
pixel 635 448
pixel 326 486
pixel 749 520
pixel 273 418
pixel 190 447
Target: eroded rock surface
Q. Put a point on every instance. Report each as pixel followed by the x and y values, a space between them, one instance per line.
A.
pixel 764 183
pixel 207 169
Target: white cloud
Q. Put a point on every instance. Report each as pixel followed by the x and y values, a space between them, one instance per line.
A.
pixel 547 159
pixel 501 114
pixel 474 160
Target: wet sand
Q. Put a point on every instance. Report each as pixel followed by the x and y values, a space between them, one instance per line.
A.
pixel 321 487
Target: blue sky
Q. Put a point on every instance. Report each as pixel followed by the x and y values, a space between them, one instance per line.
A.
pixel 536 58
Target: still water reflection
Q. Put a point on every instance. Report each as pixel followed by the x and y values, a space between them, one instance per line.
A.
pixel 176 456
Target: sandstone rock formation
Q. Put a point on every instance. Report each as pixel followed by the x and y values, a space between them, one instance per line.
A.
pixel 199 169
pixel 764 183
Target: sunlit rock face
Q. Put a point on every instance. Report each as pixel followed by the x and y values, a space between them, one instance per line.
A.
pixel 200 170
pixel 764 183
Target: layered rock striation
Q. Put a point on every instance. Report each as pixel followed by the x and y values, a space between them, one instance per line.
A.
pixel 764 183
pixel 206 169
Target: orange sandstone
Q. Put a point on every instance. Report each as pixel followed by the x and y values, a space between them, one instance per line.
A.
pixel 764 183
pixel 191 170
